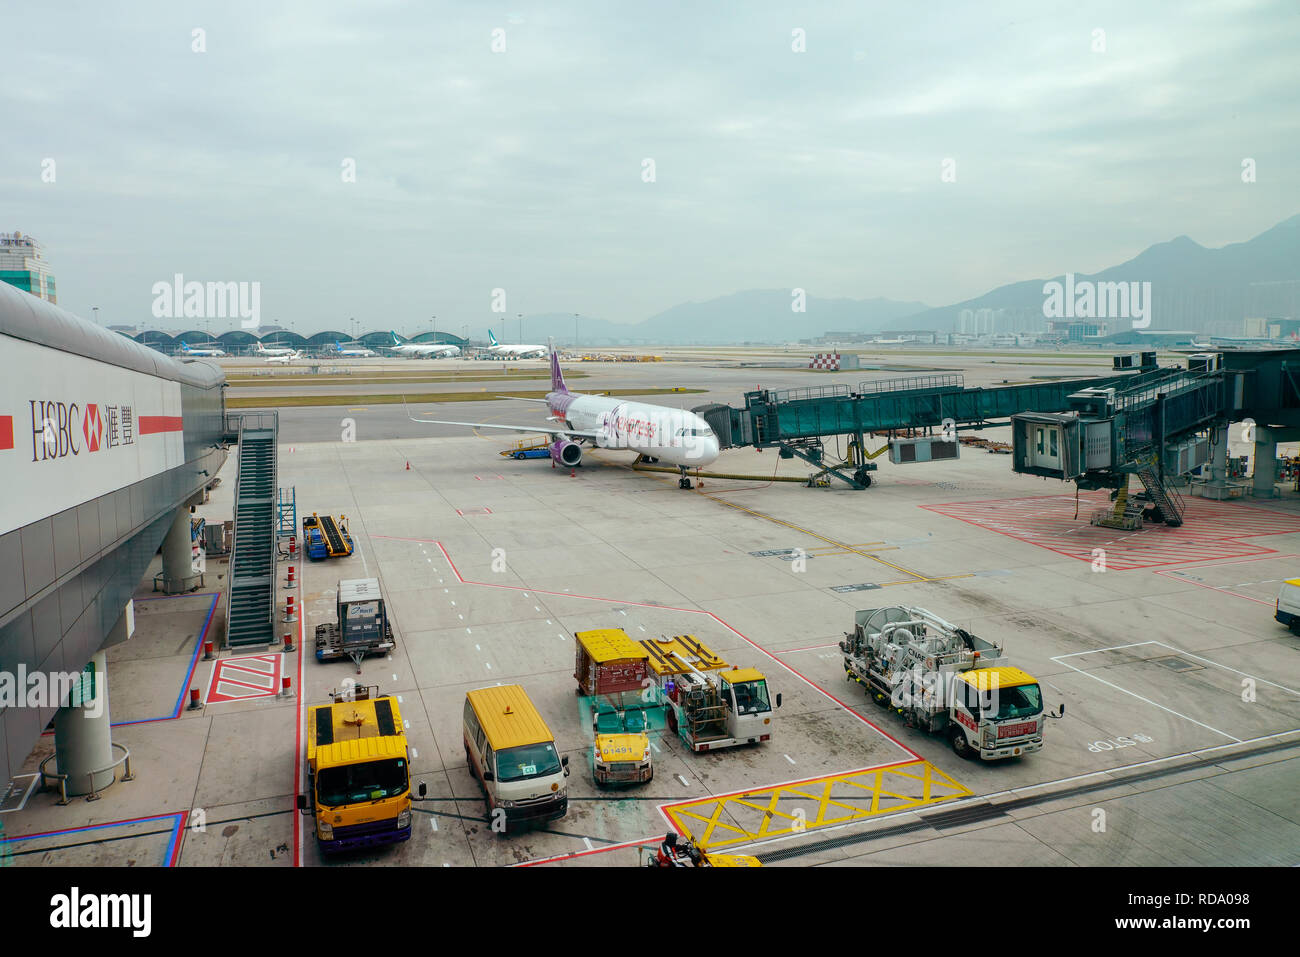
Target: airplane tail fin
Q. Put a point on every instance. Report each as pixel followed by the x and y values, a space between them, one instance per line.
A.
pixel 396 340
pixel 492 338
pixel 557 377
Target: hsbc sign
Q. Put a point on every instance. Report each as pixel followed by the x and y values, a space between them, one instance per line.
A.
pixel 73 429
pixel 60 429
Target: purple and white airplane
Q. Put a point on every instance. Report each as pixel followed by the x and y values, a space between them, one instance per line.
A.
pixel 657 432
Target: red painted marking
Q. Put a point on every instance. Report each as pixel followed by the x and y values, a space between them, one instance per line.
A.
pixel 1212 531
pixel 297 745
pixel 6 431
pixel 229 673
pixel 153 424
pixel 594 850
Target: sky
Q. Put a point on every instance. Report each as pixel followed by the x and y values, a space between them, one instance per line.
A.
pixel 527 168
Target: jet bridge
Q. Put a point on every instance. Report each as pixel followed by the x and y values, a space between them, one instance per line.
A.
pixel 797 422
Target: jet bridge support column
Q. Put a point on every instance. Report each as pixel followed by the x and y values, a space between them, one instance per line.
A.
pixel 1217 487
pixel 178 554
pixel 1265 454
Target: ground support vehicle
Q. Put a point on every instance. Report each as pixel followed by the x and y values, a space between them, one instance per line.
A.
pixel 325 538
pixel 708 704
pixel 943 679
pixel 613 670
pixel 358 771
pixel 672 852
pixel 361 627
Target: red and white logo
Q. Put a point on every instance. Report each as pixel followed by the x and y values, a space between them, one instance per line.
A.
pixel 92 427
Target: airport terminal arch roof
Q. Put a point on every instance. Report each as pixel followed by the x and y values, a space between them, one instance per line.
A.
pixel 328 338
pixel 34 320
pixel 284 338
pixel 237 337
pixel 440 338
pixel 194 337
pixel 152 337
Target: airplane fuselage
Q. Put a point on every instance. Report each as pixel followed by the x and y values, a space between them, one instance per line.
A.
pixel 674 436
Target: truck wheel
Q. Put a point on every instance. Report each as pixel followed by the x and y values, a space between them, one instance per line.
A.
pixel 671 719
pixel 960 746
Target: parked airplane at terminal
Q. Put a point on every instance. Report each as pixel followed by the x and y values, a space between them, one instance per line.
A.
pixel 351 352
pixel 189 350
pixel 515 351
pixel 657 432
pixel 431 350
pixel 275 351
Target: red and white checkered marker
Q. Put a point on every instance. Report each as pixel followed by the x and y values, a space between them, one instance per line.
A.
pixel 825 360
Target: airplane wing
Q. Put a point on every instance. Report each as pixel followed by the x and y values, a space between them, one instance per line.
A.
pixel 547 430
pixel 521 398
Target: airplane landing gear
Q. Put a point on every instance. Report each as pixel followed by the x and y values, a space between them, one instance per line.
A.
pixel 683 482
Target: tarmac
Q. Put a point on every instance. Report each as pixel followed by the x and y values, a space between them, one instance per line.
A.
pixel 1180 744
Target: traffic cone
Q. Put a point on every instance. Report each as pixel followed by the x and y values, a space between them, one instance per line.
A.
pixel 408 466
pixel 573 473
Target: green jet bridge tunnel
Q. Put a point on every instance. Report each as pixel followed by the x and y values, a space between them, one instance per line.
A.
pixel 1156 423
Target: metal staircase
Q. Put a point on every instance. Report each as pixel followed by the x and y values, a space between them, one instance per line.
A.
pixel 1164 497
pixel 250 610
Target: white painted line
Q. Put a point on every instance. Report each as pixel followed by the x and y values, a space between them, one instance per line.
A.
pixel 655 746
pixel 488 664
pixel 548 621
pixel 453 604
pixel 407 724
pixel 1097 651
pixel 444 863
pixel 399 699
pixel 587 841
pixel 469 631
pixel 394 677
pixel 460 616
pixel 433 824
pixel 622 612
pixel 685 783
pixel 1153 704
pixel 414 753
pixel 535 608
pixel 788 758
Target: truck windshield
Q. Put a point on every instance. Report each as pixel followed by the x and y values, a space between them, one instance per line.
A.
pixel 751 697
pixel 355 783
pixel 1022 701
pixel 527 761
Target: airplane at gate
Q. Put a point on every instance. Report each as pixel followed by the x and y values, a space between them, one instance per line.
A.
pixel 431 350
pixel 187 349
pixel 514 351
pixel 674 436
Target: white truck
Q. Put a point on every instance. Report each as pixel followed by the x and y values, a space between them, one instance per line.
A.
pixel 942 679
pixel 707 703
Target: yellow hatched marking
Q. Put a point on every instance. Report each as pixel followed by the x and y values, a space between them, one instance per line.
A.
pixel 718 822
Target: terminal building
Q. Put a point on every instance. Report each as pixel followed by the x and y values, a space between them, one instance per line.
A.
pixel 22 264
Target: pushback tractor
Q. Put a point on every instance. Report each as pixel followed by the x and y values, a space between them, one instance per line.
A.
pixel 943 679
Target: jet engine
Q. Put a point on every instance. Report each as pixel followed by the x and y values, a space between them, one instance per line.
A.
pixel 567 453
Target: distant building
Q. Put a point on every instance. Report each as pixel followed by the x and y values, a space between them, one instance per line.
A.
pixel 23 264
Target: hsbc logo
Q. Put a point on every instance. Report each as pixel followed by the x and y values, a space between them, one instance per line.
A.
pixel 92 428
pixel 57 426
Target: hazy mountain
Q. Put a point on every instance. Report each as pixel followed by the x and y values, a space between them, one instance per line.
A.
pixel 755 315
pixel 1192 287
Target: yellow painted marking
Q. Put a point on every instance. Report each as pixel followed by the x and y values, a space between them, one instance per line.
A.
pixel 835 799
pixel 359 410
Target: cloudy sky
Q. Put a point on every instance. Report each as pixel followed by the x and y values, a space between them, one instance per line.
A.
pixel 525 169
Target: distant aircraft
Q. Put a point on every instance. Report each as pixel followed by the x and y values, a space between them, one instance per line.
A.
pixel 658 432
pixel 515 351
pixel 188 350
pixel 285 359
pixel 432 350
pixel 350 352
pixel 275 351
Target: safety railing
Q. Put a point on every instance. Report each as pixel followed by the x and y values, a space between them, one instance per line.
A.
pixel 62 779
pixel 913 383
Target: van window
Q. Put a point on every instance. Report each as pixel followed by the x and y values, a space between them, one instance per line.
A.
pixel 527 761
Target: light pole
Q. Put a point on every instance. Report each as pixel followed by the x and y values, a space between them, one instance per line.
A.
pixel 433 328
pixel 95 310
pixel 520 317
pixel 575 331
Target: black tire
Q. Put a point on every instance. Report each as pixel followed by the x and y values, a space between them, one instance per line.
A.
pixel 960 746
pixel 866 480
pixel 670 718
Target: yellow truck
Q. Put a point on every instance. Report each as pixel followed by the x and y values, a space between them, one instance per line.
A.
pixel 612 669
pixel 358 771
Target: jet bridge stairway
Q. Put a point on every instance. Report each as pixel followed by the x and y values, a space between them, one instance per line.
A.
pixel 250 609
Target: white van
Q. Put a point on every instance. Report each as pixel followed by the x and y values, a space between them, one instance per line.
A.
pixel 513 754
pixel 1288 605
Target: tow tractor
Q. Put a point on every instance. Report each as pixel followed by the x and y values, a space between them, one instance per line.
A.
pixel 612 669
pixel 325 538
pixel 362 626
pixel 707 703
pixel 943 679
pixel 685 853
